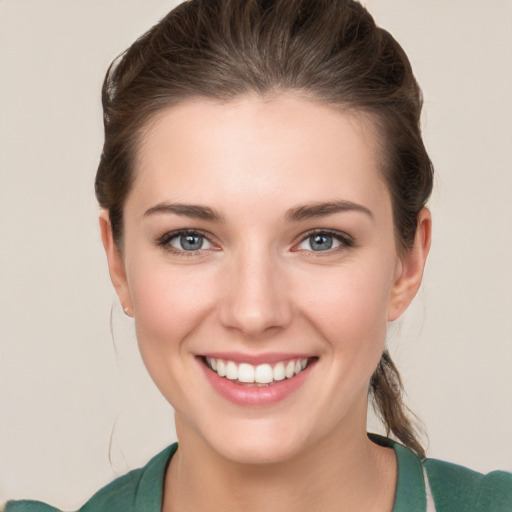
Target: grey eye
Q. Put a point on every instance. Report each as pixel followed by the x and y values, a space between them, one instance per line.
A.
pixel 190 242
pixel 320 242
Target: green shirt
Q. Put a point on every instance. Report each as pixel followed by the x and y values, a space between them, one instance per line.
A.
pixel 454 488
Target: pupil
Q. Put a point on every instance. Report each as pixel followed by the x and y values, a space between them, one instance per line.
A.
pixel 191 242
pixel 321 242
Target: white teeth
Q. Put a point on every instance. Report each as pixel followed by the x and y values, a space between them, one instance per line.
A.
pixel 290 369
pixel 231 371
pixel 263 374
pixel 245 373
pixel 260 374
pixel 279 371
pixel 221 368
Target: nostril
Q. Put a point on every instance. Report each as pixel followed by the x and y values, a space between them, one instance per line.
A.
pixel 254 298
pixel 253 318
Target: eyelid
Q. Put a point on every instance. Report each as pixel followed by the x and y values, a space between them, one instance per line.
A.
pixel 164 240
pixel 344 239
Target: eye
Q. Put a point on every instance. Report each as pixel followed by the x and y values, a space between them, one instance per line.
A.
pixel 185 241
pixel 321 241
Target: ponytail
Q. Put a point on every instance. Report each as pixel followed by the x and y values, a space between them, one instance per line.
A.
pixel 386 392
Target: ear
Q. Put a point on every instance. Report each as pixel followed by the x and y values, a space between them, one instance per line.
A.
pixel 410 267
pixel 115 263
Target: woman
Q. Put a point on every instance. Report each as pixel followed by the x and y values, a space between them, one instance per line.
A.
pixel 263 184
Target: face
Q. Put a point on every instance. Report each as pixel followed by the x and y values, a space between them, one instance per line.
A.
pixel 260 265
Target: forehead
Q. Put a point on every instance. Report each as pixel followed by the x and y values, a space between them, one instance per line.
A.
pixel 284 147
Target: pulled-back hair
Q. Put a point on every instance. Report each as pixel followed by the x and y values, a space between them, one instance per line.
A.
pixel 328 51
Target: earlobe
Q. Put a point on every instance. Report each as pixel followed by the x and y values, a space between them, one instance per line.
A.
pixel 115 263
pixel 410 268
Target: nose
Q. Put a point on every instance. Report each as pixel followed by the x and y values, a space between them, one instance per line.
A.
pixel 255 300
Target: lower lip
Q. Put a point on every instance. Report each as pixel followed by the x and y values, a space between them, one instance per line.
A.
pixel 253 395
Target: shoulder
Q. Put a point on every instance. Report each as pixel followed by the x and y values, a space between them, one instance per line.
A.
pixel 118 495
pixel 455 486
pixel 125 494
pixel 27 506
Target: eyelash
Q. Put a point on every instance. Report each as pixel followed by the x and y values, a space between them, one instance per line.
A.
pixel 345 241
pixel 165 241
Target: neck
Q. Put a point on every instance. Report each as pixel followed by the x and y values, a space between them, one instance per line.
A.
pixel 341 474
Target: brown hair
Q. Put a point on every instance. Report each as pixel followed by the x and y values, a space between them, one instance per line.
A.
pixel 329 51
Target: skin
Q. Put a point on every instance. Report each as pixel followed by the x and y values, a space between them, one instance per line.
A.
pixel 257 287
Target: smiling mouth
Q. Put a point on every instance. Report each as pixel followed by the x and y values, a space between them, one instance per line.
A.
pixel 261 375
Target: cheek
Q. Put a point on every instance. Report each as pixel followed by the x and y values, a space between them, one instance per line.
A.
pixel 169 302
pixel 349 307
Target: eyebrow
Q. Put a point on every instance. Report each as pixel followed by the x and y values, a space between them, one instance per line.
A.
pixel 188 210
pixel 310 211
pixel 303 212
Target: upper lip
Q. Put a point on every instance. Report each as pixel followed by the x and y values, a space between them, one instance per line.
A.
pixel 255 359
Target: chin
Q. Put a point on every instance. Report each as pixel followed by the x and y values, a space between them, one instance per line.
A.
pixel 256 442
pixel 259 451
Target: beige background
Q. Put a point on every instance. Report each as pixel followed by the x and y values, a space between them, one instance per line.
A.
pixel 72 413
